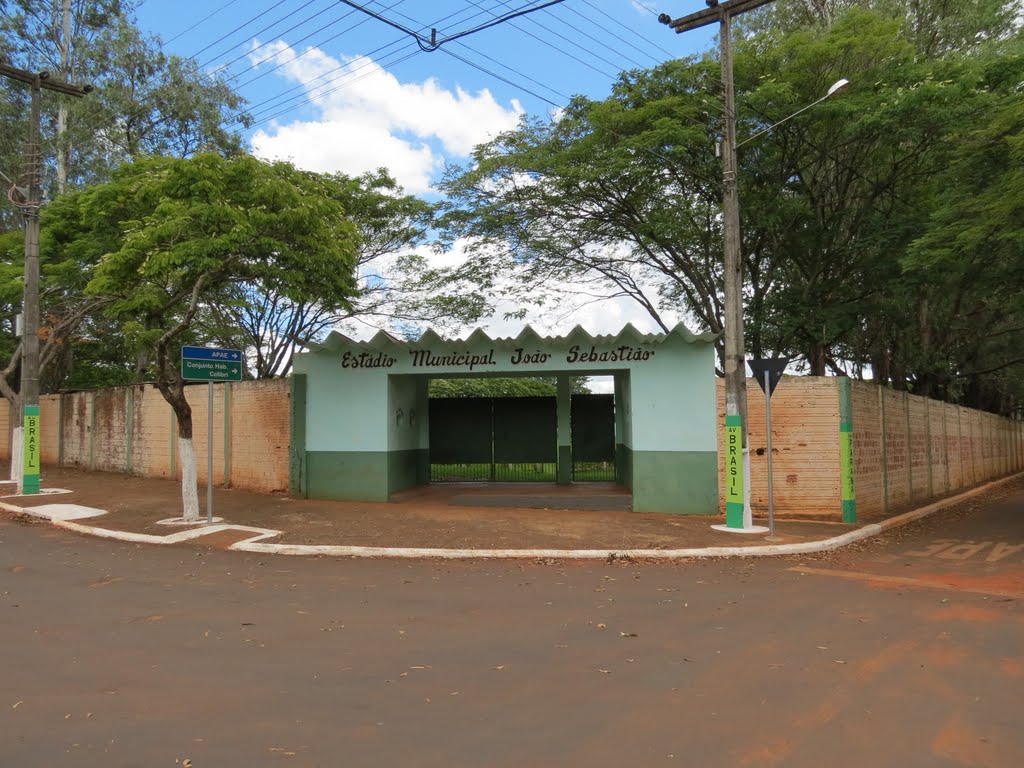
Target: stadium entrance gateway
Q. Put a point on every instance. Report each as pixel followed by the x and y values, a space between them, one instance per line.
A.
pixel 363 427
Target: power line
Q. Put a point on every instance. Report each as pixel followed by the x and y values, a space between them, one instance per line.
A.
pixel 243 25
pixel 285 32
pixel 261 31
pixel 514 70
pixel 433 43
pixel 559 35
pixel 332 90
pixel 330 39
pixel 304 84
pixel 499 77
pixel 201 21
pixel 591 37
pixel 555 47
pixel 627 28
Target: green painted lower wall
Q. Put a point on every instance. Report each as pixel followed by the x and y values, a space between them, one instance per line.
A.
pixel 675 482
pixel 624 464
pixel 347 475
pixel 405 468
pixel 362 475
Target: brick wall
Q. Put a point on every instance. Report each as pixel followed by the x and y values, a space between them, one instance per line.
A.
pixel 909 449
pixel 906 449
pixel 805 446
pixel 133 430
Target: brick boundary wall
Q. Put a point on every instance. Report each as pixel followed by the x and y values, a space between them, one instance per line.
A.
pixel 906 449
pixel 133 430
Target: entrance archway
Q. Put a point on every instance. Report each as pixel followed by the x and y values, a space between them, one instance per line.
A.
pixel 363 426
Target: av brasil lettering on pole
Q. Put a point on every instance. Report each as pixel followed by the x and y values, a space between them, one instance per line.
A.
pixel 426 358
pixel 733 472
pixel 30 475
pixel 211 364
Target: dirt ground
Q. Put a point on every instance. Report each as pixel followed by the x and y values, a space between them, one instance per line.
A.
pixel 430 517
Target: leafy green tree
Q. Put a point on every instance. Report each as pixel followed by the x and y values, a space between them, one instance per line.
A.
pixel 143 101
pixel 191 227
pixel 621 197
pixel 504 387
pixel 391 227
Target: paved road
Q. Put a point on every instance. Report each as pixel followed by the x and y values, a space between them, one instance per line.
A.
pixel 904 652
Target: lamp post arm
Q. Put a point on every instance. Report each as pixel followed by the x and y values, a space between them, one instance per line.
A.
pixel 838 87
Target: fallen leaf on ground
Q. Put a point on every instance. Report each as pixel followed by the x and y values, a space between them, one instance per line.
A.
pixel 499 667
pixel 420 666
pixel 629 634
pixel 17 704
pixel 602 626
pixel 605 671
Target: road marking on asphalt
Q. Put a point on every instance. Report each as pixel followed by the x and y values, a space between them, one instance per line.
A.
pixel 959 549
pixel 908 581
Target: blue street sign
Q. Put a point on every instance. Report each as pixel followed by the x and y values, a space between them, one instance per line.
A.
pixel 210 353
pixel 211 364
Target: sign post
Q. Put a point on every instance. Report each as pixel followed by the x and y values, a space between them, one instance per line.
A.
pixel 768 373
pixel 210 364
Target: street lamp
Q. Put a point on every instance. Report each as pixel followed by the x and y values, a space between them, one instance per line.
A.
pixel 738 516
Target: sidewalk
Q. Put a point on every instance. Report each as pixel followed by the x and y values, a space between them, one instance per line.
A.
pixel 428 520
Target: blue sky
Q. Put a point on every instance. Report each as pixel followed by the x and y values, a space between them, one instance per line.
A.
pixel 334 89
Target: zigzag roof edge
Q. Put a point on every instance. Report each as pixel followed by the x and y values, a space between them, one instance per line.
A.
pixel 708 337
pixel 629 333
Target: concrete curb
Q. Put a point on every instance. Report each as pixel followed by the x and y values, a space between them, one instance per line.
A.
pixel 256 544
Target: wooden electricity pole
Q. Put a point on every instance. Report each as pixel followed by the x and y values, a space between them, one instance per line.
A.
pixel 30 202
pixel 738 513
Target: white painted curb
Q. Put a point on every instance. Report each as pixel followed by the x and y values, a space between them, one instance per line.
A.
pixel 256 544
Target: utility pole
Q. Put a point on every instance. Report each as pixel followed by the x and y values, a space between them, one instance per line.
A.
pixel 29 204
pixel 737 508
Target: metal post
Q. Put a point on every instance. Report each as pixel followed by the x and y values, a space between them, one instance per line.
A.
pixel 209 453
pixel 768 427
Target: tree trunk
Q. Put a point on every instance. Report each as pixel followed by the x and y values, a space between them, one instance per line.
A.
pixel 189 481
pixel 816 359
pixel 174 394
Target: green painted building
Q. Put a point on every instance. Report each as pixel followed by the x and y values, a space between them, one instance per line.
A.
pixel 361 414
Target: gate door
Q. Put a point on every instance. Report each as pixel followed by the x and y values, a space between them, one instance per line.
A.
pixel 505 438
pixel 460 438
pixel 526 438
pixel 593 437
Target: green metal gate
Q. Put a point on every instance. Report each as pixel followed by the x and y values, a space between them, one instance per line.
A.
pixel 593 437
pixel 500 439
pixel 516 438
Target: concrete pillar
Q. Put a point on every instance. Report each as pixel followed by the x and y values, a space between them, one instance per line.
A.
pixel 564 405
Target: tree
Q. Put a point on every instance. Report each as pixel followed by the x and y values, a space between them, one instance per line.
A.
pixel 621 196
pixel 189 228
pixel 390 226
pixel 504 387
pixel 614 198
pixel 143 101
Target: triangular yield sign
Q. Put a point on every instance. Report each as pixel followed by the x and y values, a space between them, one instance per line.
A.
pixel 774 366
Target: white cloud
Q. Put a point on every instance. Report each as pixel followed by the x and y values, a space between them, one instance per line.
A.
pixel 368 119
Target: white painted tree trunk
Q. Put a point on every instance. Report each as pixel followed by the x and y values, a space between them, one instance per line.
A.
pixel 189 494
pixel 17 457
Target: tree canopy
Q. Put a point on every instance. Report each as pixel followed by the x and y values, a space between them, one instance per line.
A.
pixel 880 228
